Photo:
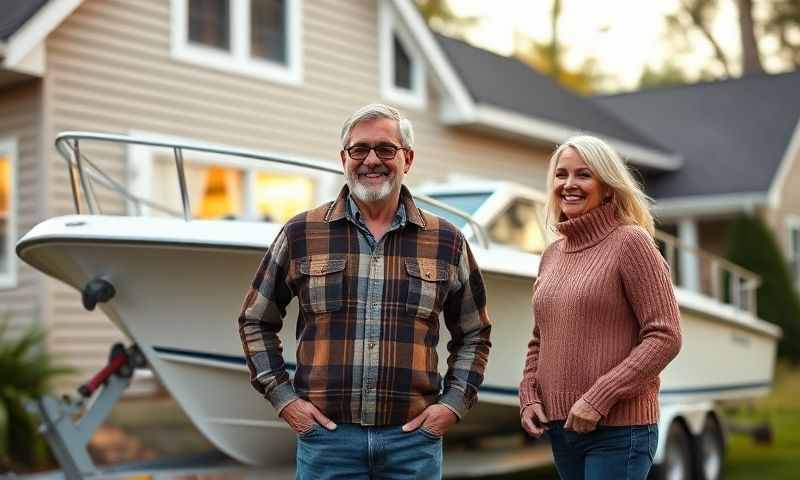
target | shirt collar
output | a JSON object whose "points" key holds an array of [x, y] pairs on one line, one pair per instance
{"points": [[339, 208]]}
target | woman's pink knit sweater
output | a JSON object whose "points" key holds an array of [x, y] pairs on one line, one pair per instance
{"points": [[606, 322]]}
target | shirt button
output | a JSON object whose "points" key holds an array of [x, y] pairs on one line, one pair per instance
{"points": [[371, 345]]}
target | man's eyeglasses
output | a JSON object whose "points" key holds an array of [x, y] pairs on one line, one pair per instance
{"points": [[383, 151]]}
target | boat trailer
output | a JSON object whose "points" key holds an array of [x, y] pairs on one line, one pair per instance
{"points": [[68, 425]]}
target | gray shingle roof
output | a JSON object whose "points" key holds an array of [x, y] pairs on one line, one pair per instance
{"points": [[15, 14], [510, 84], [732, 134]]}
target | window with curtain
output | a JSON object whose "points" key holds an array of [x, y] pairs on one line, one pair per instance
{"points": [[268, 30], [280, 197], [5, 214], [219, 191], [209, 23]]}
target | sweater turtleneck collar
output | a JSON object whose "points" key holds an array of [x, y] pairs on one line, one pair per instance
{"points": [[588, 229]]}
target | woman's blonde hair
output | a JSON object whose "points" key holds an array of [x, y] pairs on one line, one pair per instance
{"points": [[632, 205]]}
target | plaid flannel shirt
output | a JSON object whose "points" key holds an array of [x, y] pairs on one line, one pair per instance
{"points": [[368, 322]]}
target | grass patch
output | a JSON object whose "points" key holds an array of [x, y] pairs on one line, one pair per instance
{"points": [[745, 459], [781, 409]]}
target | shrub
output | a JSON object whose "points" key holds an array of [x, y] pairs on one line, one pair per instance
{"points": [[26, 370]]}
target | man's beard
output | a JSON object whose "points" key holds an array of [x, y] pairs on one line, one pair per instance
{"points": [[367, 195]]}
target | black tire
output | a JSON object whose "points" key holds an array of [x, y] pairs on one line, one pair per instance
{"points": [[710, 450], [677, 460]]}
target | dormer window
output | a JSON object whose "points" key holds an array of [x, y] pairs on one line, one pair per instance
{"points": [[251, 37], [402, 69], [402, 66]]}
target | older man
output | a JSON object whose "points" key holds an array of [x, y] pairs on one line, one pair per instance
{"points": [[372, 273]]}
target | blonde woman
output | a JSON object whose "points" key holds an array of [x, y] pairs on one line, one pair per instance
{"points": [[606, 320]]}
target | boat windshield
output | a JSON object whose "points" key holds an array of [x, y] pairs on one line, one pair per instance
{"points": [[466, 202]]}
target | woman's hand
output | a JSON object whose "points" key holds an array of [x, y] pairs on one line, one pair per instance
{"points": [[582, 417], [533, 419]]}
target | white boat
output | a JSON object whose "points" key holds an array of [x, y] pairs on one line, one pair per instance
{"points": [[179, 285]]}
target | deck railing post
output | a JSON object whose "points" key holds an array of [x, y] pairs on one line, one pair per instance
{"points": [[187, 209], [669, 249], [716, 280], [87, 191]]}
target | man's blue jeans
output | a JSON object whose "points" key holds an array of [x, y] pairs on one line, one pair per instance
{"points": [[356, 452], [608, 453]]}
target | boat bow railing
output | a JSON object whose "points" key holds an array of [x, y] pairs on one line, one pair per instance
{"points": [[83, 173], [716, 277]]}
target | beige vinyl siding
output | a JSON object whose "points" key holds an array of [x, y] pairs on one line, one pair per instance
{"points": [[20, 120], [110, 69], [788, 205]]}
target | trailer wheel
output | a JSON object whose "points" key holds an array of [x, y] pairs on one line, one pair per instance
{"points": [[710, 450], [677, 460]]}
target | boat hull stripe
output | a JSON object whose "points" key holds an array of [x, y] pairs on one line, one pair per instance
{"points": [[237, 360]]}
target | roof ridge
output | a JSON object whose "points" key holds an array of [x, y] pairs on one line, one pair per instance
{"points": [[704, 83]]}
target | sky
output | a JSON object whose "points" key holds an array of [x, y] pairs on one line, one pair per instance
{"points": [[624, 35]]}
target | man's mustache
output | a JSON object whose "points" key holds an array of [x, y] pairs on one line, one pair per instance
{"points": [[364, 171]]}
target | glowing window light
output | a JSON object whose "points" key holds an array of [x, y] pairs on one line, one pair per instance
{"points": [[280, 197]]}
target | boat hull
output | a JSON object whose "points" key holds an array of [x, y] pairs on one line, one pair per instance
{"points": [[184, 319]]}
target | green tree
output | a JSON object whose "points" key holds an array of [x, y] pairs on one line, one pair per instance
{"points": [[440, 16], [698, 16], [774, 22], [784, 25], [752, 245], [548, 57], [668, 74]]}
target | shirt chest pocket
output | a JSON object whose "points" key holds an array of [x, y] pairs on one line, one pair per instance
{"points": [[320, 283], [427, 286]]}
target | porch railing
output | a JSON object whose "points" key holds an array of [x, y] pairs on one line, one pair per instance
{"points": [[710, 274]]}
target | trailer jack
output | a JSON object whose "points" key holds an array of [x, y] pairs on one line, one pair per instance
{"points": [[69, 424]]}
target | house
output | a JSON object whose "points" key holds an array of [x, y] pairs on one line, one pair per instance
{"points": [[276, 76], [740, 140]]}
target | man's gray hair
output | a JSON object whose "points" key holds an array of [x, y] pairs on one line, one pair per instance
{"points": [[375, 111]]}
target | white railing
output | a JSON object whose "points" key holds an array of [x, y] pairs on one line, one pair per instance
{"points": [[83, 172], [718, 278]]}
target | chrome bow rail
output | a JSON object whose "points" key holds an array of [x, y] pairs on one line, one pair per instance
{"points": [[83, 172], [719, 279]]}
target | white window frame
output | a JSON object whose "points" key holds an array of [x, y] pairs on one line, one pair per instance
{"points": [[238, 59], [140, 160], [390, 25], [8, 146], [792, 223]]}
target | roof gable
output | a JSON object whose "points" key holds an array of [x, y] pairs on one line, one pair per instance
{"points": [[528, 92], [25, 29], [733, 134], [16, 13]]}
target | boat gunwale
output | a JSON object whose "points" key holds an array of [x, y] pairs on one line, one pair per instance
{"points": [[709, 308]]}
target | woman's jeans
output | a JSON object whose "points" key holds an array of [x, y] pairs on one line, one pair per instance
{"points": [[608, 453], [353, 452]]}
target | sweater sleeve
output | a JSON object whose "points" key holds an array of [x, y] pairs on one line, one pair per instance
{"points": [[648, 288], [528, 390]]}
